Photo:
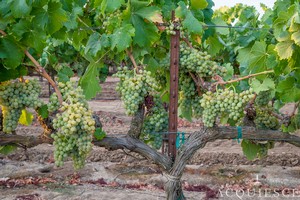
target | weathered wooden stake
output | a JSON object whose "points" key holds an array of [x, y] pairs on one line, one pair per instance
{"points": [[173, 107]]}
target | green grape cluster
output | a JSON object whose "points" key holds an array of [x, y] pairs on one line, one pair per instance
{"points": [[199, 62], [155, 123], [264, 119], [75, 126], [53, 104], [224, 102], [188, 97], [263, 98], [16, 96], [133, 87], [111, 20]]}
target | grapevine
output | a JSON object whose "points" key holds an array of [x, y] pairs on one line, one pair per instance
{"points": [[16, 96], [263, 98], [75, 126]]}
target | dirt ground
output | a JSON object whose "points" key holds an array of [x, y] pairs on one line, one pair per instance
{"points": [[218, 167]]}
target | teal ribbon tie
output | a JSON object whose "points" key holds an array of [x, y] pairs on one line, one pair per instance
{"points": [[240, 134], [180, 139]]}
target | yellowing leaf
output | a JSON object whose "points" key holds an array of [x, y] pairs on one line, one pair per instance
{"points": [[296, 37], [26, 118], [285, 49]]}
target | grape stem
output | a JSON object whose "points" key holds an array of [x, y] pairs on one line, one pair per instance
{"points": [[129, 53], [41, 71], [198, 83], [187, 42], [221, 82]]}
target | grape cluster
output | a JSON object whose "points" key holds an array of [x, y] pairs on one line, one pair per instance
{"points": [[263, 98], [111, 20], [224, 102], [53, 104], [133, 87], [264, 119], [155, 123], [199, 62], [75, 126], [16, 96], [188, 97]]}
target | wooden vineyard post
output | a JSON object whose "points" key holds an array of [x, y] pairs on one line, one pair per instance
{"points": [[173, 106]]}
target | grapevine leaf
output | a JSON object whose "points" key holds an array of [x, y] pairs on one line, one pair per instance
{"points": [[99, 134], [285, 49], [288, 90], [7, 149], [199, 4], [26, 118], [43, 111], [296, 37], [192, 24], [93, 45], [224, 119], [77, 38], [89, 81], [51, 17], [20, 8], [110, 6], [181, 11], [122, 37], [229, 71], [264, 86], [152, 14], [72, 23], [152, 65], [65, 74], [146, 33], [10, 53], [214, 45], [220, 21], [186, 112], [250, 149], [8, 74], [243, 56], [258, 55]]}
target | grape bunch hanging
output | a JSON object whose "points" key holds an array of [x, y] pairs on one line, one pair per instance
{"points": [[16, 96], [74, 124], [224, 102]]}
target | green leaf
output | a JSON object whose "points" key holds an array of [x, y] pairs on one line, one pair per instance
{"points": [[192, 24], [65, 74], [214, 45], [296, 37], [99, 134], [50, 17], [111, 6], [229, 73], [7, 149], [258, 55], [199, 4], [89, 81], [95, 43], [26, 118], [122, 37], [289, 92], [250, 149], [8, 74], [146, 33], [152, 13], [43, 111], [10, 53], [186, 112], [258, 87], [20, 8], [285, 49], [224, 119], [219, 21]]}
